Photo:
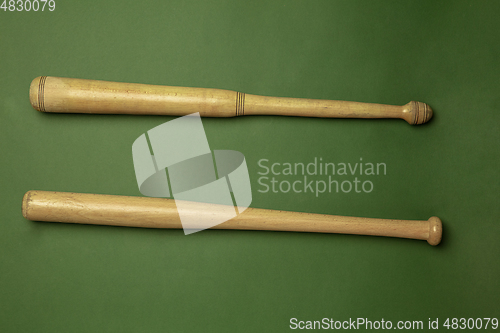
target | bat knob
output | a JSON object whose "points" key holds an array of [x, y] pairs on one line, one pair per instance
{"points": [[435, 230], [416, 113]]}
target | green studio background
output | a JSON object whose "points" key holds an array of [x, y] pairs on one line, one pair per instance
{"points": [[78, 278]]}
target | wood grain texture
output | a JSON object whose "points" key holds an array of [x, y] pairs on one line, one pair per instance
{"points": [[162, 213], [55, 94]]}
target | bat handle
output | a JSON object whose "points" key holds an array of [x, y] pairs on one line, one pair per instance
{"points": [[415, 113]]}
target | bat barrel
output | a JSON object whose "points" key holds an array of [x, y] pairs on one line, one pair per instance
{"points": [[65, 95], [162, 213]]}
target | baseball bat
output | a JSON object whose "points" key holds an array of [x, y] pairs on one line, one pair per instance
{"points": [[56, 94], [162, 213]]}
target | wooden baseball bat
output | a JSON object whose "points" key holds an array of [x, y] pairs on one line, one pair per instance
{"points": [[55, 94], [162, 213]]}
